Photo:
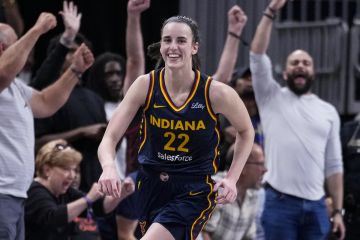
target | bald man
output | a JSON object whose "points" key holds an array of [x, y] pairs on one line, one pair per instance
{"points": [[238, 220], [19, 104], [302, 144]]}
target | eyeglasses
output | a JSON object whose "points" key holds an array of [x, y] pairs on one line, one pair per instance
{"points": [[59, 147]]}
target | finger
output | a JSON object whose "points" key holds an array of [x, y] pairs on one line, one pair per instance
{"points": [[75, 10], [106, 189], [71, 7], [100, 186], [65, 6], [79, 17], [216, 186], [115, 188]]}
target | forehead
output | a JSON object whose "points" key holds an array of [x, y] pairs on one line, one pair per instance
{"points": [[176, 29], [299, 55], [112, 66]]}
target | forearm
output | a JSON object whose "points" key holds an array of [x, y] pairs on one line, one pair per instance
{"points": [[262, 36], [135, 59], [335, 188], [228, 59], [14, 57], [75, 208], [243, 144], [106, 152], [54, 96], [110, 203]]}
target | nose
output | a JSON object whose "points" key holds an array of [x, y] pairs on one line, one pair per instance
{"points": [[173, 44]]}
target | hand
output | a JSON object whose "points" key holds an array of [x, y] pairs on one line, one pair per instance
{"points": [[127, 188], [45, 22], [82, 59], [71, 19], [94, 131], [138, 6], [236, 20], [277, 4], [227, 191], [109, 181], [94, 193], [338, 226]]}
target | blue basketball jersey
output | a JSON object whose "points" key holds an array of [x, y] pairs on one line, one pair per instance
{"points": [[183, 139]]}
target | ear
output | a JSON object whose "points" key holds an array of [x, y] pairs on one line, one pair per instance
{"points": [[195, 48], [47, 170]]}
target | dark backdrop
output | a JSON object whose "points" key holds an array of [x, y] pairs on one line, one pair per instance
{"points": [[103, 23]]}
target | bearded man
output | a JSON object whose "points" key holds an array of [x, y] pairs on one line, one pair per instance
{"points": [[302, 144]]}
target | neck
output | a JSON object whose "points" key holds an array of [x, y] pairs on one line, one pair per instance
{"points": [[179, 80]]}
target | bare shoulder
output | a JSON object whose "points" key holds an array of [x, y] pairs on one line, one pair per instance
{"points": [[220, 92], [138, 90]]}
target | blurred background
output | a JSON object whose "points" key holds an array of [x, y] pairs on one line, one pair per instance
{"points": [[328, 29]]}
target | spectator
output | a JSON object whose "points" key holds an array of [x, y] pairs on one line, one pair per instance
{"points": [[82, 120], [302, 146], [53, 204], [10, 14], [19, 104], [238, 219]]}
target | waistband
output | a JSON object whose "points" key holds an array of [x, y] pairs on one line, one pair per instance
{"points": [[165, 176], [281, 194]]}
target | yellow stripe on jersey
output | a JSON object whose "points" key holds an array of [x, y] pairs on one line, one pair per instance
{"points": [[214, 117], [144, 130], [207, 99], [150, 91], [203, 212], [216, 149], [167, 97]]}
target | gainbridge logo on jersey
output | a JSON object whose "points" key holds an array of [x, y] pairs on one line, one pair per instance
{"points": [[174, 158]]}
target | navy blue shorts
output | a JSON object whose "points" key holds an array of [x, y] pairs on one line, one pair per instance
{"points": [[128, 207], [181, 203]]}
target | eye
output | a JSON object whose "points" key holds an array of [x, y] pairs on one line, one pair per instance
{"points": [[307, 63], [166, 40]]}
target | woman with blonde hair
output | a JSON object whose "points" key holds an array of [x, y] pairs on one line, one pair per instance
{"points": [[52, 203]]}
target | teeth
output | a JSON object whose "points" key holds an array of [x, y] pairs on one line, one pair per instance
{"points": [[173, 55]]}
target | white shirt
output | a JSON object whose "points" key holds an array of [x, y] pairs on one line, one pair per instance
{"points": [[302, 142]]}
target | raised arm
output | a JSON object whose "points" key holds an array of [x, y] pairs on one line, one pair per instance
{"points": [[109, 180], [49, 100], [14, 57], [50, 69], [226, 101], [262, 36], [236, 22], [13, 16], [135, 59]]}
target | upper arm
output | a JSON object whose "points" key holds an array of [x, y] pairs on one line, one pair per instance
{"points": [[333, 160], [226, 101], [38, 105], [134, 68], [125, 112], [263, 80]]}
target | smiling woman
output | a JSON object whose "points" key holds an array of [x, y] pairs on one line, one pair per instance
{"points": [[179, 137]]}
